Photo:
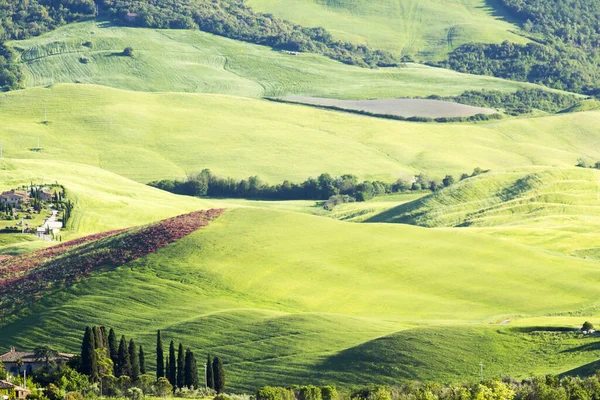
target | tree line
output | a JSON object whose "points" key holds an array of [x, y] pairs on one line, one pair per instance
{"points": [[536, 388], [523, 101], [324, 187]]}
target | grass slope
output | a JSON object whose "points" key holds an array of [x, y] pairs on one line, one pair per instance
{"points": [[280, 314], [193, 61], [426, 29], [104, 201], [553, 208], [148, 136]]}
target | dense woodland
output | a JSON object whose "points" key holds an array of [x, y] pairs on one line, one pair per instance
{"points": [[523, 101], [565, 56]]}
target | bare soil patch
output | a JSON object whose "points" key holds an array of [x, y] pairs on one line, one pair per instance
{"points": [[405, 108]]}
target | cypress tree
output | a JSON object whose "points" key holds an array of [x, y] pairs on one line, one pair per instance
{"points": [[89, 364], [167, 369], [180, 367], [160, 357], [135, 362], [172, 370], [142, 360], [103, 338], [113, 349], [97, 341], [219, 375], [188, 370], [210, 375], [124, 360], [194, 372]]}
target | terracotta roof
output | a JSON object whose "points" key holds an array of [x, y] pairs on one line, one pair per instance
{"points": [[8, 385], [29, 356]]}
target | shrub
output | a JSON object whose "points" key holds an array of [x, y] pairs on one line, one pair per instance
{"points": [[75, 396], [128, 52], [135, 393], [329, 393], [587, 326], [275, 393], [309, 393], [221, 396], [83, 60]]}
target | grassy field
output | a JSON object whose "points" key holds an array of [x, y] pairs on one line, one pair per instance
{"points": [[423, 29], [363, 313], [149, 136], [193, 61]]}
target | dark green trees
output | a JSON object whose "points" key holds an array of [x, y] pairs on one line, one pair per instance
{"points": [[172, 370], [113, 348], [160, 357], [190, 370], [135, 362], [210, 375], [89, 364], [124, 366], [142, 360], [219, 375], [180, 367]]}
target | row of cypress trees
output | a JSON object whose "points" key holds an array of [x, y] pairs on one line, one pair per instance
{"points": [[181, 370], [102, 356]]}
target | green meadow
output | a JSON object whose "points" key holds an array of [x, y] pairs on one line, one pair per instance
{"points": [[198, 62], [149, 136], [367, 303], [422, 29]]}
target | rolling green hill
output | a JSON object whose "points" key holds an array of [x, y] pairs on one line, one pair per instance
{"points": [[194, 61], [280, 314], [553, 208], [149, 136], [425, 29]]}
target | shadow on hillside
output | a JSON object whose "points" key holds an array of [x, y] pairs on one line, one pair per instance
{"points": [[402, 214], [499, 12], [380, 357], [583, 371], [586, 347]]}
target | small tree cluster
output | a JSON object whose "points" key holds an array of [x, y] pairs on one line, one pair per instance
{"points": [[180, 369], [102, 355], [215, 374]]}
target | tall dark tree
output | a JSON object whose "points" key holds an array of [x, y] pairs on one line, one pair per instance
{"points": [[104, 337], [113, 349], [194, 372], [180, 367], [89, 364], [142, 360], [160, 357], [135, 362], [188, 378], [219, 373], [124, 360], [172, 370], [97, 340], [210, 375]]}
